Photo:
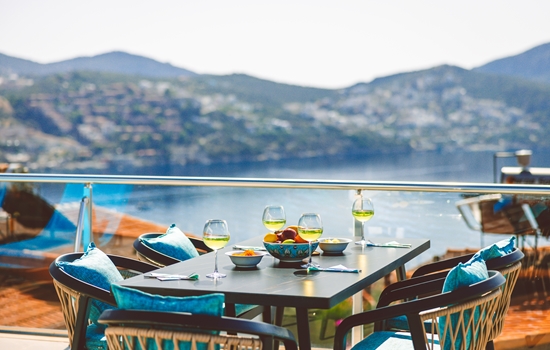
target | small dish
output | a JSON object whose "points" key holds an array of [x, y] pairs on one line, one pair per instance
{"points": [[334, 245], [245, 261]]}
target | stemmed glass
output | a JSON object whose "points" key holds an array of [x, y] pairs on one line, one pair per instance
{"points": [[310, 228], [274, 217], [215, 236], [362, 210]]}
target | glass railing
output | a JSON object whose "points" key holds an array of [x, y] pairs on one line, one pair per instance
{"points": [[45, 215]]}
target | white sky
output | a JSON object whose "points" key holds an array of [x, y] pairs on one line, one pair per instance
{"points": [[319, 43]]}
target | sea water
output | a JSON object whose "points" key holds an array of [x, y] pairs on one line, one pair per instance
{"points": [[398, 214]]}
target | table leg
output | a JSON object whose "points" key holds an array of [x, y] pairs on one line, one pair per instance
{"points": [[304, 340], [401, 273]]}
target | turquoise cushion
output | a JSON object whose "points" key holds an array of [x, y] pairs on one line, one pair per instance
{"points": [[94, 267], [209, 304], [391, 341], [173, 243], [95, 338], [130, 298], [498, 249], [462, 275]]}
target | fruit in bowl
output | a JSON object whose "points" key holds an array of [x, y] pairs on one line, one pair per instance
{"points": [[286, 235], [333, 245], [246, 259]]}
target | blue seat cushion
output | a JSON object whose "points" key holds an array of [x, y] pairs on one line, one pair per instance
{"points": [[391, 341], [462, 275], [173, 243], [498, 249], [130, 298], [209, 304], [93, 267], [95, 337]]}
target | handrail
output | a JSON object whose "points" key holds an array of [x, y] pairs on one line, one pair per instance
{"points": [[462, 187]]}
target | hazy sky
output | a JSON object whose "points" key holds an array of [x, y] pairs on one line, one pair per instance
{"points": [[318, 43]]}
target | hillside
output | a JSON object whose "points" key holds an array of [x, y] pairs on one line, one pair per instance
{"points": [[114, 119], [112, 62], [533, 64]]}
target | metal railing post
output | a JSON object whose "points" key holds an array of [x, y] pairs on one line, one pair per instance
{"points": [[87, 237], [80, 224]]}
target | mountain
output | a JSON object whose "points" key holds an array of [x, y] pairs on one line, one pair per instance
{"points": [[533, 64], [112, 62]]}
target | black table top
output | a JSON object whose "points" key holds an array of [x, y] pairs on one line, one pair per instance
{"points": [[284, 284]]}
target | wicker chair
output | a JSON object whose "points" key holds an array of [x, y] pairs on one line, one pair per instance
{"points": [[152, 256], [473, 332], [75, 295], [129, 327], [508, 265]]}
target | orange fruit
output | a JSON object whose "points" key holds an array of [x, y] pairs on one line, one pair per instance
{"points": [[299, 239], [270, 237]]}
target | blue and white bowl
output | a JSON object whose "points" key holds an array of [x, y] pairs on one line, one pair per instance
{"points": [[290, 252]]}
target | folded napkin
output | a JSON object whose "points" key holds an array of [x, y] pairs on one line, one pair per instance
{"points": [[244, 247], [337, 268], [171, 277], [392, 244]]}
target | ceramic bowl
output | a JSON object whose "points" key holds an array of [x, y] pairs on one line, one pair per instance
{"points": [[290, 252], [334, 245], [245, 261]]}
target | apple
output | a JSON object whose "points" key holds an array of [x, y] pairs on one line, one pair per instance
{"points": [[289, 233]]}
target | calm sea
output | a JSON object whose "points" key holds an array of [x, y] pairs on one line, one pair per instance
{"points": [[397, 214]]}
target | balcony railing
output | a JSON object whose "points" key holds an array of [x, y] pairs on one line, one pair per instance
{"points": [[112, 210]]}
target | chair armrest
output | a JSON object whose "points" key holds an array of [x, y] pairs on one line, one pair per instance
{"points": [[132, 264], [413, 289], [265, 331], [441, 265]]}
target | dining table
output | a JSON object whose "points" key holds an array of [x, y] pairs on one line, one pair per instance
{"points": [[273, 283]]}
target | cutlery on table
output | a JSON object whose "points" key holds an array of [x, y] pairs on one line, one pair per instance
{"points": [[244, 247], [338, 268], [392, 244], [171, 277]]}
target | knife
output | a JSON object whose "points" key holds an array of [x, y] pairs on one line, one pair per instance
{"points": [[243, 247], [171, 277], [389, 245]]}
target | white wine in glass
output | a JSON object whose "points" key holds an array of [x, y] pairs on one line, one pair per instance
{"points": [[310, 228], [274, 217], [362, 210], [215, 236]]}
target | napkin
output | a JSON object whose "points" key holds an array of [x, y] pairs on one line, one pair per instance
{"points": [[337, 268], [171, 277], [244, 247]]}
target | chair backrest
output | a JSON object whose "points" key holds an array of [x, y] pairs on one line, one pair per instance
{"points": [[129, 327], [76, 295], [466, 325], [453, 310], [508, 265], [152, 256]]}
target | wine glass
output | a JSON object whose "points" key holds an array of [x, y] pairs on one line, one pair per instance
{"points": [[310, 228], [274, 217], [362, 210], [215, 236]]}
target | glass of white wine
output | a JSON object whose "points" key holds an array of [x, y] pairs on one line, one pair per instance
{"points": [[215, 236], [362, 210], [310, 228], [274, 217]]}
